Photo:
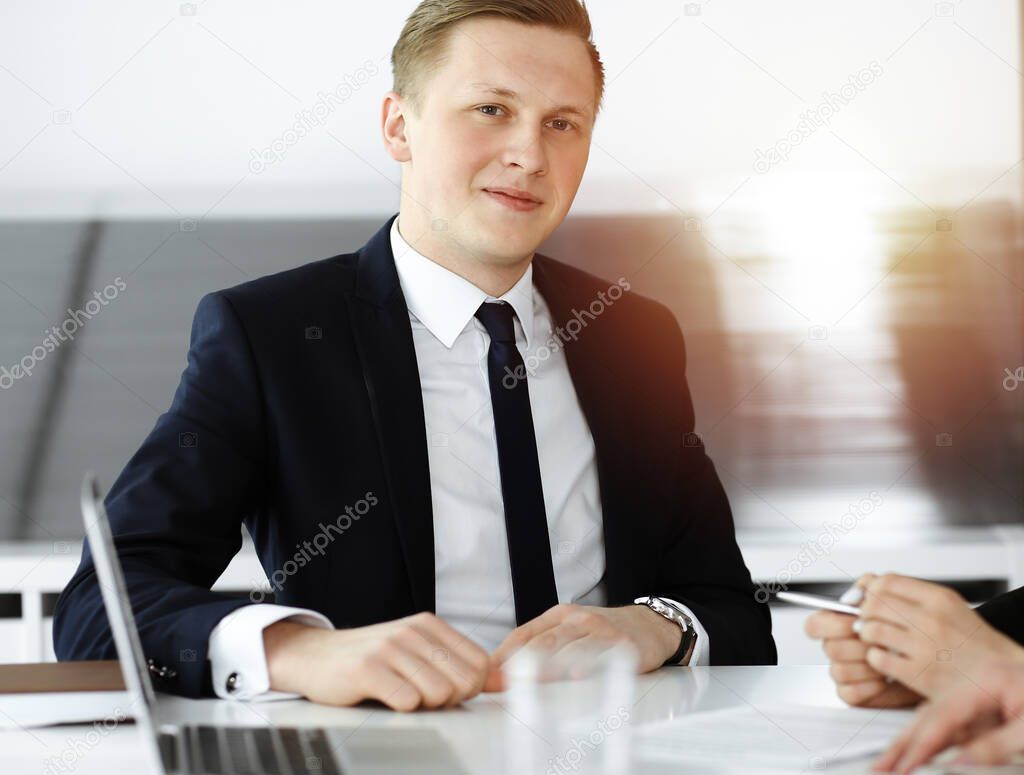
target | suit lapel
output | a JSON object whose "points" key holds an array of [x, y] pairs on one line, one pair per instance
{"points": [[383, 336], [591, 361]]}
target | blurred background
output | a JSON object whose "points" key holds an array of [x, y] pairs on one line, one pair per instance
{"points": [[827, 194]]}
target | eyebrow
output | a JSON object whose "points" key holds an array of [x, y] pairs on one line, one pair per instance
{"points": [[501, 91]]}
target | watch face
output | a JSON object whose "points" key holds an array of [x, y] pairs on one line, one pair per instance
{"points": [[659, 605], [664, 604], [668, 608]]}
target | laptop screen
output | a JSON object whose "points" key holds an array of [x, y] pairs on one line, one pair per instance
{"points": [[117, 603]]}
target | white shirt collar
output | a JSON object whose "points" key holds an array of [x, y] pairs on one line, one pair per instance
{"points": [[445, 302]]}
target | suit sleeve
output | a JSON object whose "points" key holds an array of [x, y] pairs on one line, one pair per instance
{"points": [[176, 511], [1005, 612], [701, 565]]}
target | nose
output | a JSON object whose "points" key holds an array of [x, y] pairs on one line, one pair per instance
{"points": [[525, 149]]}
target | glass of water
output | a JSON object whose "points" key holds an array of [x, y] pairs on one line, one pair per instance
{"points": [[568, 711]]}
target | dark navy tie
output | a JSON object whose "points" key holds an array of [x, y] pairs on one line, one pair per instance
{"points": [[529, 549]]}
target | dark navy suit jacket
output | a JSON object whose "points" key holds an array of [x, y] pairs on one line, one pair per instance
{"points": [[302, 395]]}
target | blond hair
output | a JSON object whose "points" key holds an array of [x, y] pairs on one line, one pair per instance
{"points": [[423, 43]]}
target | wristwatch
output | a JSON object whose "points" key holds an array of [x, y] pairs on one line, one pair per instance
{"points": [[673, 613]]}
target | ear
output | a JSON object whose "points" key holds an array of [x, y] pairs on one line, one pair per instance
{"points": [[394, 127]]}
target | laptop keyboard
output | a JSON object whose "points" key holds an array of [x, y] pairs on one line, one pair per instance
{"points": [[210, 750]]}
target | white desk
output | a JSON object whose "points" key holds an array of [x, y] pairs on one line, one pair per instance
{"points": [[473, 730], [960, 554]]}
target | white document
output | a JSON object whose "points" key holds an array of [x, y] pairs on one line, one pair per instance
{"points": [[39, 709], [797, 737]]}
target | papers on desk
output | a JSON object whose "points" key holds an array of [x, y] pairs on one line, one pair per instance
{"points": [[43, 709], [35, 695], [771, 737]]}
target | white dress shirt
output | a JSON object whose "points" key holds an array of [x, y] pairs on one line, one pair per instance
{"points": [[471, 564]]}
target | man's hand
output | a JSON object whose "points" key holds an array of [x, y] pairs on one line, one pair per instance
{"points": [[926, 636], [417, 661], [985, 718], [857, 682], [915, 639], [568, 628]]}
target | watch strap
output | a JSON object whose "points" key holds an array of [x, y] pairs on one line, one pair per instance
{"points": [[686, 639]]}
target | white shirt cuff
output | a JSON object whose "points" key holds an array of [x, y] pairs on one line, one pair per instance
{"points": [[701, 650], [236, 647]]}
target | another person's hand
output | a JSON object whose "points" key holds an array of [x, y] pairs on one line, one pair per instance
{"points": [[569, 628], [857, 682], [926, 636], [418, 661], [984, 718]]}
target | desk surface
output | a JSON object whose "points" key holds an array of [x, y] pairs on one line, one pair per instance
{"points": [[474, 730]]}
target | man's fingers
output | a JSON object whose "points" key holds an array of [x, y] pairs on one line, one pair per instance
{"points": [[865, 580], [455, 652], [829, 624], [434, 688], [468, 679], [526, 632], [923, 593], [449, 637], [861, 692], [852, 672], [932, 733], [855, 593], [893, 665], [891, 756], [895, 610], [576, 653], [495, 679], [550, 641], [888, 635], [938, 724], [505, 648], [554, 632], [894, 752], [384, 684], [875, 693], [997, 746], [555, 638], [572, 652], [845, 649], [555, 642], [515, 641]]}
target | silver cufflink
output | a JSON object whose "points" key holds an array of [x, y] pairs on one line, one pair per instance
{"points": [[160, 671]]}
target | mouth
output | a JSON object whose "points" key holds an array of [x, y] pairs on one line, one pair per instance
{"points": [[513, 198]]}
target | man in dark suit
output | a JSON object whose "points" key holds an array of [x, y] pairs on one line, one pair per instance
{"points": [[445, 445]]}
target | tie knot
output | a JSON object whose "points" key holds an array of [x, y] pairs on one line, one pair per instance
{"points": [[497, 319]]}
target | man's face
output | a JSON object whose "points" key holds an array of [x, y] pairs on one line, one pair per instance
{"points": [[469, 139]]}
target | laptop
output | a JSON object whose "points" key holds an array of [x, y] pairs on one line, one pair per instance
{"points": [[234, 750]]}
